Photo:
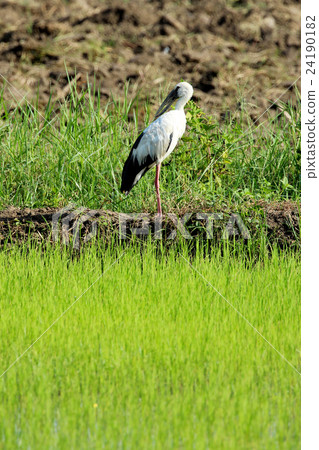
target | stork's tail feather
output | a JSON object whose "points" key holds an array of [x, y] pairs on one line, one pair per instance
{"points": [[128, 175], [133, 171]]}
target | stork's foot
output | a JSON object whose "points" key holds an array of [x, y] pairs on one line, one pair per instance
{"points": [[159, 208]]}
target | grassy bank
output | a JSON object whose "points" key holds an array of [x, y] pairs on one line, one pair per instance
{"points": [[75, 153], [151, 356]]}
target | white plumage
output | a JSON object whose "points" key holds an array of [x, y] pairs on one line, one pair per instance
{"points": [[158, 140]]}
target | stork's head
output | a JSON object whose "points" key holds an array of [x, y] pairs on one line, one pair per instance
{"points": [[183, 91]]}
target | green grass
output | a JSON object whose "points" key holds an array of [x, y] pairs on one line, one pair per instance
{"points": [[151, 356], [76, 154]]}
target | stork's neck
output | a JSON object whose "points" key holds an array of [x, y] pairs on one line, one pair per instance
{"points": [[181, 102]]}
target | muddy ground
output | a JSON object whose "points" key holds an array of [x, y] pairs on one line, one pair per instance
{"points": [[232, 51], [279, 221]]}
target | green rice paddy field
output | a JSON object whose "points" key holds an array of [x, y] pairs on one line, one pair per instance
{"points": [[144, 345], [151, 356]]}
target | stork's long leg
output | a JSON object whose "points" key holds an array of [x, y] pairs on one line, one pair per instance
{"points": [[158, 197]]}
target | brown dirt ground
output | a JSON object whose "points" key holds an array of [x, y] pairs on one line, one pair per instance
{"points": [[280, 220], [230, 50]]}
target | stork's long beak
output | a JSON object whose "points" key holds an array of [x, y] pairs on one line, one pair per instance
{"points": [[170, 99]]}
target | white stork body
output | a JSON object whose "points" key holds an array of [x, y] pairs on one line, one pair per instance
{"points": [[158, 140]]}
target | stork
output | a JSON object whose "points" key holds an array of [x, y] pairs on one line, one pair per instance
{"points": [[157, 141]]}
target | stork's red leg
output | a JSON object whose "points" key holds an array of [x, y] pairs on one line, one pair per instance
{"points": [[158, 197]]}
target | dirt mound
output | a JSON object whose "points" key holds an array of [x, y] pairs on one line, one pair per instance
{"points": [[79, 225], [232, 51]]}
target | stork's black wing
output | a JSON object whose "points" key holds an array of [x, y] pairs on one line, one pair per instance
{"points": [[133, 170]]}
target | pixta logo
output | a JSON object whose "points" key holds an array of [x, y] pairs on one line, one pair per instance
{"points": [[67, 223], [234, 226], [71, 221]]}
